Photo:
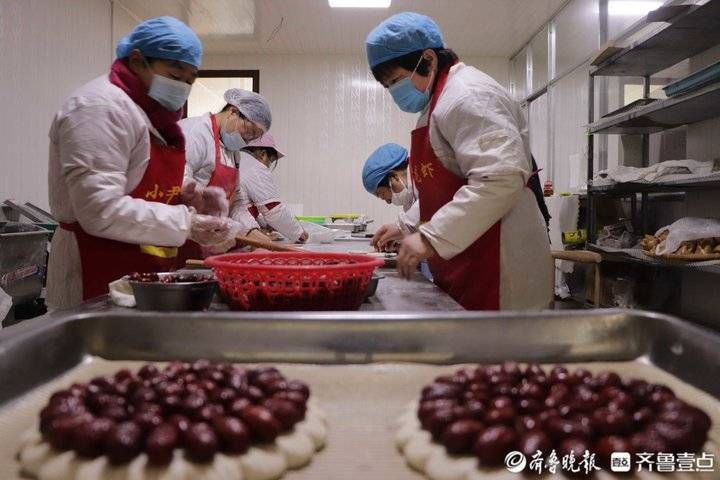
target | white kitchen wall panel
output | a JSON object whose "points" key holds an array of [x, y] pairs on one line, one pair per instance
{"points": [[47, 50], [568, 110], [577, 30], [538, 125], [329, 114], [539, 56]]}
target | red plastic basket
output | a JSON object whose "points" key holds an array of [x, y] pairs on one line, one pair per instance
{"points": [[293, 281]]}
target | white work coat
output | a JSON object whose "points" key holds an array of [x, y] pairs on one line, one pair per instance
{"points": [[200, 162], [257, 189], [478, 132], [99, 151], [200, 150]]}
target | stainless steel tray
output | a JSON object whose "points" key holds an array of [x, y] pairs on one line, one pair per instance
{"points": [[36, 351]]}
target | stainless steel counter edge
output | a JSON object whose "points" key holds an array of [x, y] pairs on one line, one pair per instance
{"points": [[35, 351]]}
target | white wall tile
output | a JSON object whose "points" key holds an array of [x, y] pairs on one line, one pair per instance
{"points": [[47, 49]]}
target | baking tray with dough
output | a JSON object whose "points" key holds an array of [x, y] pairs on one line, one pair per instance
{"points": [[364, 370]]}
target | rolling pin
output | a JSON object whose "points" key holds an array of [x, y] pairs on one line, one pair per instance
{"points": [[274, 247], [243, 240]]}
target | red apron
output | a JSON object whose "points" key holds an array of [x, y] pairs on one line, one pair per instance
{"points": [[472, 278], [104, 260], [225, 177]]}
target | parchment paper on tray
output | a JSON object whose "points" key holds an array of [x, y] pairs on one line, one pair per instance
{"points": [[363, 403]]}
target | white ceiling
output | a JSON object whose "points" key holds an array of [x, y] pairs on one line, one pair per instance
{"points": [[471, 27]]}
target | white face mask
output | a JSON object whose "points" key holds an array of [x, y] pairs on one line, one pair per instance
{"points": [[171, 94], [404, 198]]}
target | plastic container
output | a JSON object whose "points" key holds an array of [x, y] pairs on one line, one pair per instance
{"points": [[694, 81], [293, 280], [312, 219]]}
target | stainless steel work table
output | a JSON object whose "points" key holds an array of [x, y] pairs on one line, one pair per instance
{"points": [[395, 294]]}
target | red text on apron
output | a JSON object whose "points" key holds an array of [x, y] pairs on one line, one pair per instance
{"points": [[223, 176], [105, 260], [472, 277]]}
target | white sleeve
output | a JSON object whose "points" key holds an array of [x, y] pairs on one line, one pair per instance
{"points": [[260, 185], [282, 220], [408, 221], [95, 145], [245, 218], [199, 158], [239, 209], [489, 151]]}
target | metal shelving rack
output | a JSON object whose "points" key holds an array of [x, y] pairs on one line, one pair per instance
{"points": [[688, 30]]}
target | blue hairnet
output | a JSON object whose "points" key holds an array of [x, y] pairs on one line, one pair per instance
{"points": [[401, 34], [380, 163], [163, 37]]}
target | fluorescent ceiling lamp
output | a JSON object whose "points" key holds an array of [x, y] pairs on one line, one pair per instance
{"points": [[632, 7], [359, 3]]}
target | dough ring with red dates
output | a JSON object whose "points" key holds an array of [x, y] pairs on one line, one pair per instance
{"points": [[467, 422], [184, 422]]}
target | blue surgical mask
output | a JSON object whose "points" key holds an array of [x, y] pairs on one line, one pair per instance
{"points": [[233, 141], [407, 97], [171, 94]]}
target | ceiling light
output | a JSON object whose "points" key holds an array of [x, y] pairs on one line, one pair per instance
{"points": [[359, 3], [632, 7]]}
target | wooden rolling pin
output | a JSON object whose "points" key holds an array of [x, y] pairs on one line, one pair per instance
{"points": [[272, 246], [243, 240]]}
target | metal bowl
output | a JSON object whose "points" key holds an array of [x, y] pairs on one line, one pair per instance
{"points": [[179, 296], [372, 286]]}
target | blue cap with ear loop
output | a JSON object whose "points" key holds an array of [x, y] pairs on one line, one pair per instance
{"points": [[380, 163], [401, 34], [163, 37]]}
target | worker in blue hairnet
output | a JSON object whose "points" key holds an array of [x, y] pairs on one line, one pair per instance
{"points": [[479, 226], [387, 176], [116, 164]]}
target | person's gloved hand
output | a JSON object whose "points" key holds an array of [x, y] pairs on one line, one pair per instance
{"points": [[208, 230], [218, 248], [384, 235], [191, 195], [215, 202], [236, 228], [206, 201]]}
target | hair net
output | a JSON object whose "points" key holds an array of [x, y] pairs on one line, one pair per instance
{"points": [[266, 141], [380, 163], [163, 37], [252, 105], [401, 34]]}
